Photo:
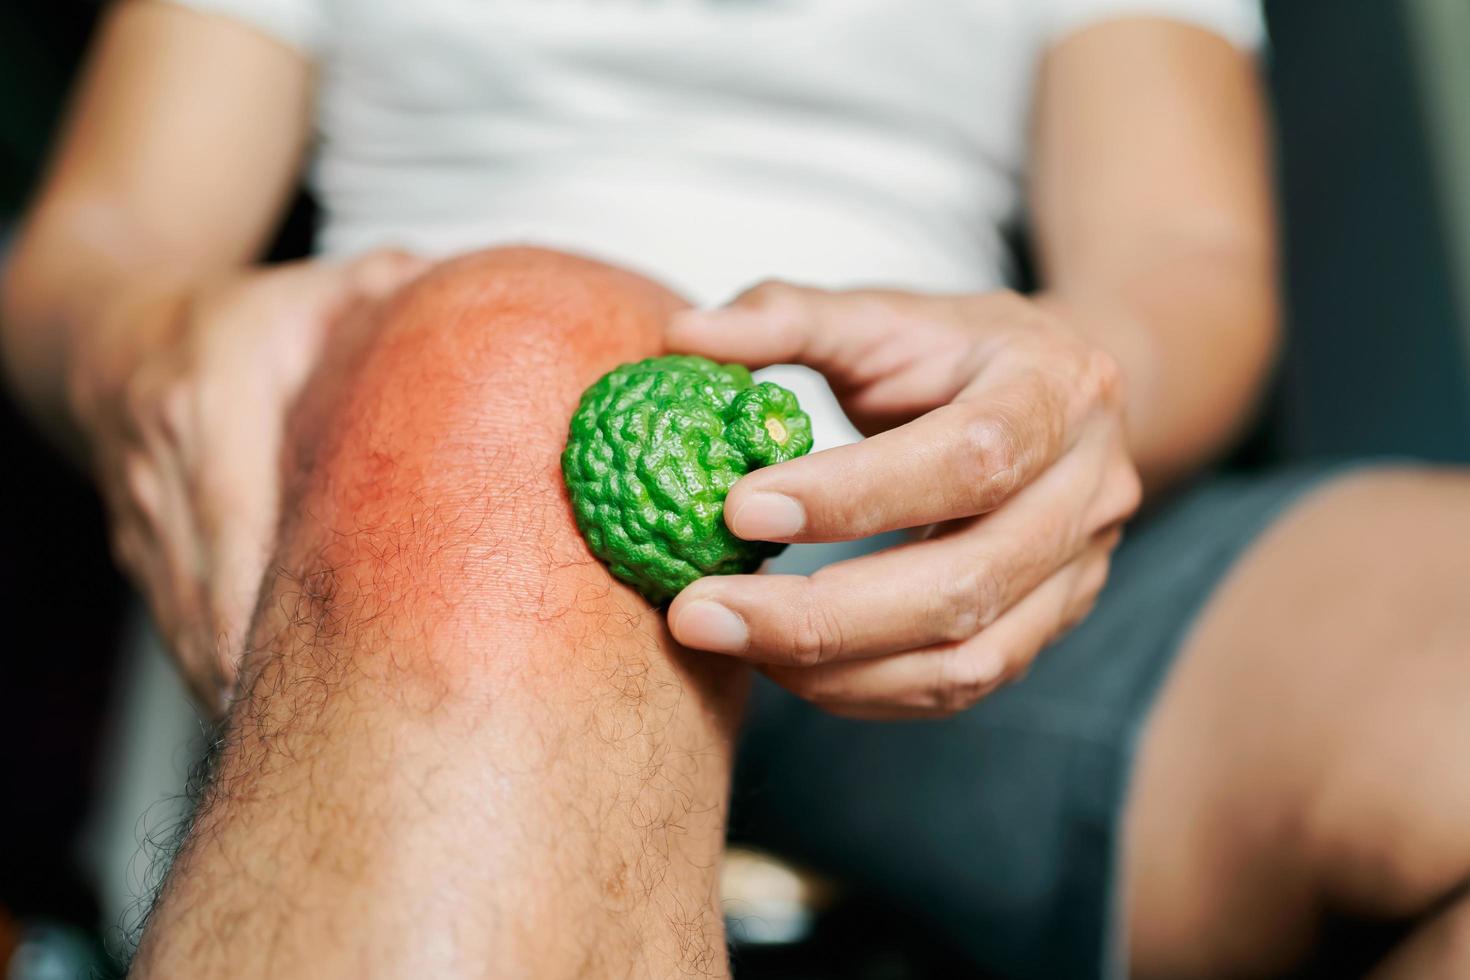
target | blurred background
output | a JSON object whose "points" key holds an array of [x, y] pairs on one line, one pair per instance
{"points": [[1374, 175]]}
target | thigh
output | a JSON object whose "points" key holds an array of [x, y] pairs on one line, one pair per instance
{"points": [[998, 827], [1307, 753]]}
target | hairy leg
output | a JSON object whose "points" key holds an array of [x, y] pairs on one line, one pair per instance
{"points": [[1309, 756], [463, 750]]}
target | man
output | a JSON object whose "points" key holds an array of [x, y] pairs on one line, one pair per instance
{"points": [[1212, 760]]}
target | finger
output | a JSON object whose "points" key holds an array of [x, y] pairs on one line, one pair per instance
{"points": [[153, 558], [236, 500], [954, 462], [889, 356], [305, 297], [957, 461], [941, 680], [236, 525], [943, 589], [778, 323], [178, 593], [378, 273], [155, 512], [308, 299], [238, 554], [152, 502]]}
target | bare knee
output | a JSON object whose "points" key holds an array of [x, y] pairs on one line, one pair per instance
{"points": [[470, 374], [1384, 822], [1308, 751], [1386, 502], [428, 496]]}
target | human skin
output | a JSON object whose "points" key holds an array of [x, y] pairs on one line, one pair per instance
{"points": [[1306, 760], [1157, 253], [1153, 232], [134, 328], [1157, 265], [462, 748]]}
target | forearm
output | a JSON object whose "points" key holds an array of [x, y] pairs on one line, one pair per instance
{"points": [[169, 170], [1152, 206], [70, 280], [1195, 332]]}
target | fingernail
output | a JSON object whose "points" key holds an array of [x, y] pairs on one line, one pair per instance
{"points": [[707, 625], [768, 517]]}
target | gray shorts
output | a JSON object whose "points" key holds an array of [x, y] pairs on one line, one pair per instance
{"points": [[999, 827]]}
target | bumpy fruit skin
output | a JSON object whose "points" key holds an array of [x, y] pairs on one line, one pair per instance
{"points": [[654, 448]]}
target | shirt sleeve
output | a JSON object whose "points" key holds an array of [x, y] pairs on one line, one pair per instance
{"points": [[298, 23], [1238, 21]]}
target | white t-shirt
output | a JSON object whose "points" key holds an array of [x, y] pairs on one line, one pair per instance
{"points": [[711, 143], [708, 143]]}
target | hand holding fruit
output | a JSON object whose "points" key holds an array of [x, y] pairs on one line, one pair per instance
{"points": [[992, 425], [653, 450]]}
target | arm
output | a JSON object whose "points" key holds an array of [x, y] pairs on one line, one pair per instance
{"points": [[138, 337], [997, 422], [134, 330], [1152, 212], [169, 172]]}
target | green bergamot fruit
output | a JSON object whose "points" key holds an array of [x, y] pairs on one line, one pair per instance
{"points": [[654, 448]]}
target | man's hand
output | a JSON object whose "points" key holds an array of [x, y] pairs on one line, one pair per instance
{"points": [[992, 426], [183, 398]]}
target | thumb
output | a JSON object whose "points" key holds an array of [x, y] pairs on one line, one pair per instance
{"points": [[302, 302], [380, 272], [779, 323], [322, 289]]}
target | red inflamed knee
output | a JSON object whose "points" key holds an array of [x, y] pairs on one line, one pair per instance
{"points": [[427, 456]]}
